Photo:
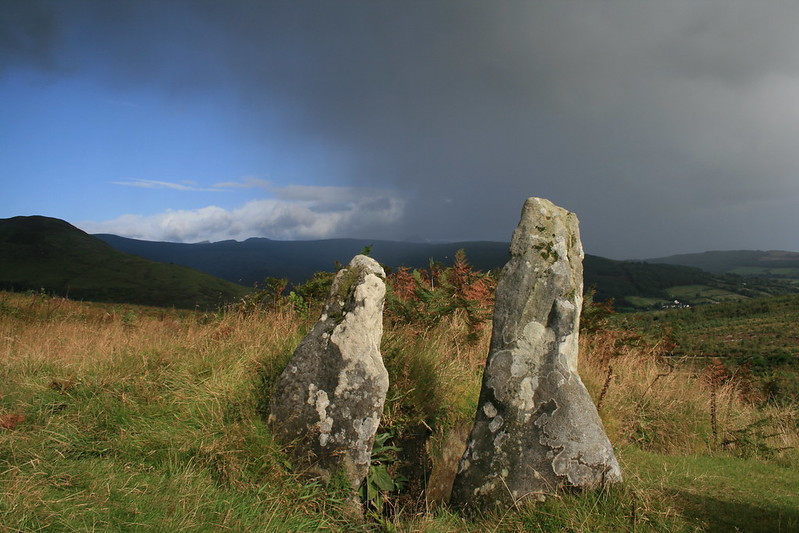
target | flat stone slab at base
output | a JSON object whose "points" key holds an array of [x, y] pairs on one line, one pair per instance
{"points": [[328, 401], [536, 429]]}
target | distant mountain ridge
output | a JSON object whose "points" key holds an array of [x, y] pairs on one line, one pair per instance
{"points": [[47, 253], [40, 252], [772, 263], [632, 284], [248, 262]]}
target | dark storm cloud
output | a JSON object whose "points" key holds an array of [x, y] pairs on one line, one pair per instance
{"points": [[28, 34], [667, 126]]}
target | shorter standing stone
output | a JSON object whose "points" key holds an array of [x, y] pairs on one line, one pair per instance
{"points": [[328, 401], [536, 428], [445, 466]]}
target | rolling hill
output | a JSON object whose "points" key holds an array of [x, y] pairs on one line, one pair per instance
{"points": [[46, 253], [632, 284], [773, 263], [249, 262], [40, 252]]}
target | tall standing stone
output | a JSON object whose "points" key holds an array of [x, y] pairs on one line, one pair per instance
{"points": [[536, 428], [328, 401]]}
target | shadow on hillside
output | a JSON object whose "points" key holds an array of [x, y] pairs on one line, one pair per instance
{"points": [[721, 515]]}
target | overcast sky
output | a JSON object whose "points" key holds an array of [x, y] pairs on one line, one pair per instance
{"points": [[667, 126]]}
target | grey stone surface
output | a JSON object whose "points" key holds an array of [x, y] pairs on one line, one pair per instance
{"points": [[536, 428], [445, 466], [328, 401]]}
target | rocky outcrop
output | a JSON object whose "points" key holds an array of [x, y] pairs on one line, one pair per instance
{"points": [[536, 428], [328, 401]]}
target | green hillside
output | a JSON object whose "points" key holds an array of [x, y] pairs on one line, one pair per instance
{"points": [[758, 335], [751, 330], [46, 253], [641, 285], [772, 264]]}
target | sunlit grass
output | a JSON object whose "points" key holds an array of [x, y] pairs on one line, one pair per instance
{"points": [[135, 418]]}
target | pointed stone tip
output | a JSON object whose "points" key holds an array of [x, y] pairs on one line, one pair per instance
{"points": [[549, 208], [537, 199], [540, 221], [364, 262]]}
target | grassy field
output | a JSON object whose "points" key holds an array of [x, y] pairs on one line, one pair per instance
{"points": [[758, 336], [703, 294], [125, 418], [685, 294], [775, 272]]}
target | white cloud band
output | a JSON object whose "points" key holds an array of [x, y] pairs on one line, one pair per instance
{"points": [[311, 213]]}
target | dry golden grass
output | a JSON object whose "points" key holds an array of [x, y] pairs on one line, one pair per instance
{"points": [[435, 371], [73, 338], [665, 405]]}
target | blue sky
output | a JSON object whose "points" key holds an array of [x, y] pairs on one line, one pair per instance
{"points": [[76, 149], [667, 127], [148, 164]]}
